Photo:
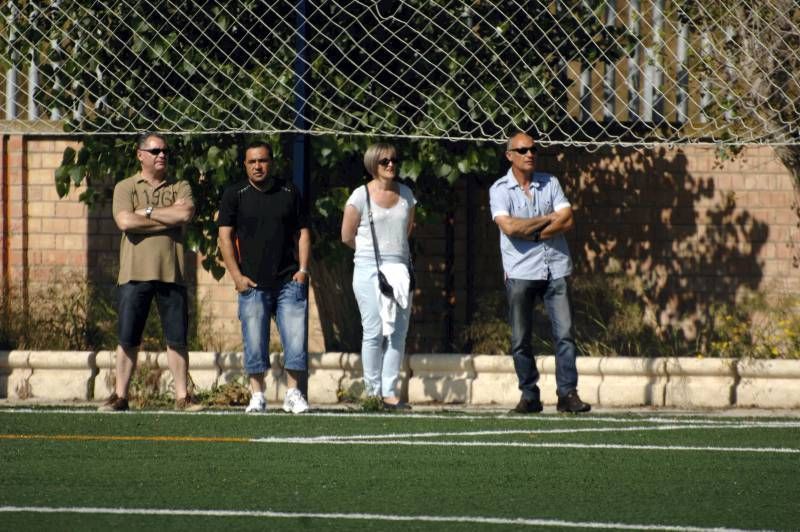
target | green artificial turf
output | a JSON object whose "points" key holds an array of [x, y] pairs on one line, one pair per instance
{"points": [[700, 488]]}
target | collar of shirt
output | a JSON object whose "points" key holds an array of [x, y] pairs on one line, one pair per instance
{"points": [[140, 179], [538, 180], [272, 184]]}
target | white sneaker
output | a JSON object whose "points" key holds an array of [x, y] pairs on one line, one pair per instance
{"points": [[295, 402], [257, 406]]}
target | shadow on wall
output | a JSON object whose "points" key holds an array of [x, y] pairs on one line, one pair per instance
{"points": [[685, 240]]}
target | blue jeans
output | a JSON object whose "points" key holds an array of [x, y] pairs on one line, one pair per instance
{"points": [[289, 305], [381, 356], [522, 296]]}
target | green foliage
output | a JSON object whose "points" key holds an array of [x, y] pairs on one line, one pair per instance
{"points": [[759, 326], [145, 387], [206, 162], [351, 394], [372, 403], [489, 333], [610, 319], [209, 162], [440, 70], [71, 313], [65, 314], [233, 393], [182, 69], [192, 72], [355, 394]]}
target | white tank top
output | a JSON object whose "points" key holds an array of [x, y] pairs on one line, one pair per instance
{"points": [[391, 227]]}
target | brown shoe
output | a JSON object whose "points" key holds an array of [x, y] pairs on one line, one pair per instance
{"points": [[189, 404], [114, 403], [527, 406], [572, 404]]}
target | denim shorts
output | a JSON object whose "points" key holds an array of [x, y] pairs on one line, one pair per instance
{"points": [[133, 306], [289, 305]]}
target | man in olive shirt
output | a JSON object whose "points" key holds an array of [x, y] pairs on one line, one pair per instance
{"points": [[151, 211]]}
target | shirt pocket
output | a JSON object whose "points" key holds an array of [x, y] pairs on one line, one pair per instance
{"points": [[519, 208], [545, 204]]}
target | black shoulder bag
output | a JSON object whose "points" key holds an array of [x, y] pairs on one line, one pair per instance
{"points": [[383, 284]]}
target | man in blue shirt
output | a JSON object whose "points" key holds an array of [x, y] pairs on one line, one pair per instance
{"points": [[533, 214]]}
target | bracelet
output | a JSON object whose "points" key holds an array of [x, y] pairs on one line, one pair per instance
{"points": [[537, 235], [303, 270]]}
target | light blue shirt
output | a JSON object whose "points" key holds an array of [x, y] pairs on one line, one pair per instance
{"points": [[526, 259]]}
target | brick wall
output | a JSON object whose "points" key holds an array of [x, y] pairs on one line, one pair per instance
{"points": [[693, 229], [43, 236]]}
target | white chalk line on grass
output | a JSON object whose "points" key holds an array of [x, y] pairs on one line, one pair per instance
{"points": [[585, 418], [359, 517], [508, 432], [554, 445]]}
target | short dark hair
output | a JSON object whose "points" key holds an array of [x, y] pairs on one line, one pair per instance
{"points": [[259, 144], [143, 136]]}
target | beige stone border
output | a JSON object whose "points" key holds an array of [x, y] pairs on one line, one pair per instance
{"points": [[435, 378]]}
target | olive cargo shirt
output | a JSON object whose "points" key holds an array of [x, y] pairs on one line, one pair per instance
{"points": [[150, 256]]}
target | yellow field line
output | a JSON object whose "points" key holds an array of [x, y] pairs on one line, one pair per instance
{"points": [[90, 437]]}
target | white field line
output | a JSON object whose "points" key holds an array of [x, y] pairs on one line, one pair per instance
{"points": [[521, 521], [555, 445], [507, 432], [591, 418]]}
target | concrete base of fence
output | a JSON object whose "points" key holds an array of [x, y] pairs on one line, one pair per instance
{"points": [[768, 383], [709, 382], [479, 380]]}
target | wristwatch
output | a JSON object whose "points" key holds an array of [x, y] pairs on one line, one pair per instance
{"points": [[148, 211]]}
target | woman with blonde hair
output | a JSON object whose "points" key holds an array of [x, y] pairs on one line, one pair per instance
{"points": [[378, 219]]}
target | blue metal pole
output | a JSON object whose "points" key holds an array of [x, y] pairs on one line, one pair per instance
{"points": [[300, 157]]}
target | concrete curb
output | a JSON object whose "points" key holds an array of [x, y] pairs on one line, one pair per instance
{"points": [[470, 380]]}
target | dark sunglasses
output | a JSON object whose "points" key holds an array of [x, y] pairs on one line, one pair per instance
{"points": [[386, 160], [156, 151], [524, 151]]}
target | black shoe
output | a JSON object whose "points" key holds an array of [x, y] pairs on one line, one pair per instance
{"points": [[401, 406], [572, 403], [114, 404], [525, 406]]}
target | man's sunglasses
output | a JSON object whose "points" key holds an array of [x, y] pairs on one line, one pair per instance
{"points": [[156, 151], [386, 160], [524, 151]]}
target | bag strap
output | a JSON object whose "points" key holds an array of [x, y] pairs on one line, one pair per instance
{"points": [[372, 228]]}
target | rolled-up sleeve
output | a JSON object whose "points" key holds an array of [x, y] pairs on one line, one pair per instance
{"points": [[499, 201], [560, 200]]}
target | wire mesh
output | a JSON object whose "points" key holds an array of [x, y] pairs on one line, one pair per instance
{"points": [[622, 72]]}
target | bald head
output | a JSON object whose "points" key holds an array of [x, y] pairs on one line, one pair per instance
{"points": [[521, 153], [526, 139]]}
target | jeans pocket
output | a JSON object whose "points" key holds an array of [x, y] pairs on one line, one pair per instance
{"points": [[247, 293], [300, 291]]}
